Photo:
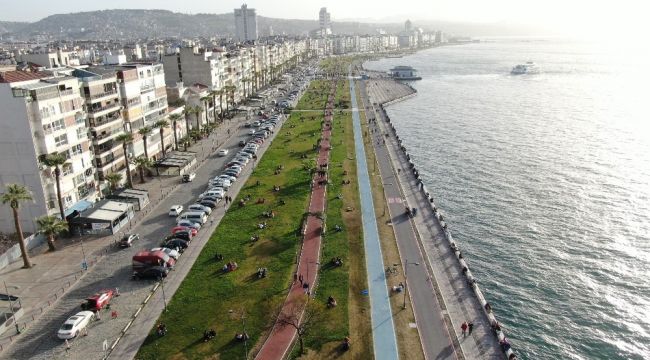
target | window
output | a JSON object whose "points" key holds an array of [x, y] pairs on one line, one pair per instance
{"points": [[79, 179], [54, 126], [68, 200], [67, 169], [81, 133], [61, 140], [76, 150]]}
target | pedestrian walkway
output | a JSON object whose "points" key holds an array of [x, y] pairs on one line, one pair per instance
{"points": [[282, 336], [383, 331], [456, 297]]}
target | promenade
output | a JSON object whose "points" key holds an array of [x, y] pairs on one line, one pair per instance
{"points": [[282, 335], [442, 298], [383, 330]]}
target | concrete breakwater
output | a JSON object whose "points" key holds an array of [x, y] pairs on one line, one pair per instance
{"points": [[492, 338]]}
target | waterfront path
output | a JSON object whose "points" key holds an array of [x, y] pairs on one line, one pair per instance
{"points": [[383, 331], [113, 269], [282, 336], [434, 336], [456, 300]]}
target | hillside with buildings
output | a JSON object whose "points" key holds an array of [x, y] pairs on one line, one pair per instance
{"points": [[138, 24]]}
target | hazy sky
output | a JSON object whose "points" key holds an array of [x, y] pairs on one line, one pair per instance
{"points": [[581, 16]]}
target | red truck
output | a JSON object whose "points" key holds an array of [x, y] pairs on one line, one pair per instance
{"points": [[99, 300], [145, 259]]}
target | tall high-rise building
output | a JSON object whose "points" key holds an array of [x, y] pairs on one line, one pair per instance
{"points": [[324, 21], [245, 24]]}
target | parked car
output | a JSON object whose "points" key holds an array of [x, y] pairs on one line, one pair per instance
{"points": [[194, 216], [189, 177], [144, 259], [128, 239], [209, 203], [222, 152], [184, 235], [172, 253], [175, 210], [227, 177], [211, 198], [73, 326], [176, 243], [98, 301], [199, 207], [177, 229], [242, 143], [154, 272], [188, 223]]}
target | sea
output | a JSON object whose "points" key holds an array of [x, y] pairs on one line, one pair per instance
{"points": [[545, 182]]}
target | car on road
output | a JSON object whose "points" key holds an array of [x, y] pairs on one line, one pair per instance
{"points": [[244, 154], [72, 327], [211, 198], [177, 229], [172, 253], [184, 235], [256, 124], [153, 272], [98, 301], [188, 223], [232, 179], [175, 243], [209, 203], [189, 177], [199, 207], [128, 239], [222, 152], [175, 210], [251, 132], [242, 143]]}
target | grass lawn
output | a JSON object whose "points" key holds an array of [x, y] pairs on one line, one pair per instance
{"points": [[209, 298], [316, 97], [352, 316]]}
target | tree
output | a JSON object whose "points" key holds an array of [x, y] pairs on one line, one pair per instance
{"points": [[197, 111], [230, 95], [213, 94], [142, 163], [113, 180], [51, 226], [221, 93], [15, 194], [206, 101], [302, 316], [145, 131], [126, 139], [57, 161], [174, 119], [187, 112], [184, 140], [161, 125]]}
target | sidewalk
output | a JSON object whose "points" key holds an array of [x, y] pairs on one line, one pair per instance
{"points": [[42, 287], [282, 336], [457, 299]]}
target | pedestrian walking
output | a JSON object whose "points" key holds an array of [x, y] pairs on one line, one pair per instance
{"points": [[470, 327], [463, 328], [114, 314], [97, 316], [295, 277], [67, 345], [301, 279]]}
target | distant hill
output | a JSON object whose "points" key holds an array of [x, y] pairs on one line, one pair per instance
{"points": [[134, 24]]}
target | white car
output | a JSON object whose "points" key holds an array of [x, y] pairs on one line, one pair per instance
{"points": [[199, 207], [187, 223], [232, 179], [175, 210], [174, 254], [251, 132], [222, 152], [75, 324]]}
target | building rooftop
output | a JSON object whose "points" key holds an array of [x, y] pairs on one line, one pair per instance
{"points": [[18, 76]]}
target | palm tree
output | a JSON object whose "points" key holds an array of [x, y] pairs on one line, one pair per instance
{"points": [[185, 139], [57, 161], [197, 111], [113, 180], [221, 93], [206, 100], [161, 125], [51, 226], [230, 94], [15, 194], [142, 163], [174, 119], [244, 82], [126, 139], [145, 131]]}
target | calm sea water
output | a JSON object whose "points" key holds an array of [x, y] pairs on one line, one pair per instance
{"points": [[545, 180]]}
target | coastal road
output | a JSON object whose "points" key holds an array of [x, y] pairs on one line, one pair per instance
{"points": [[434, 336]]}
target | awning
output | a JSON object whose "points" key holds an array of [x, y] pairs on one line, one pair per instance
{"points": [[80, 206]]}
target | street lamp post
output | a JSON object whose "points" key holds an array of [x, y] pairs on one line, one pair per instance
{"points": [[162, 285], [406, 267], [11, 305]]}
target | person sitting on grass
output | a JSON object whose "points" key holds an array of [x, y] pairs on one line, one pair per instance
{"points": [[242, 202], [261, 200], [331, 302], [255, 237], [276, 188]]}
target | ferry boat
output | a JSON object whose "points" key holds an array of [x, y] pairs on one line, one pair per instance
{"points": [[404, 73], [527, 68]]}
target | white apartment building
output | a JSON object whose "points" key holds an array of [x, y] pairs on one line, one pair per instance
{"points": [[325, 22], [192, 65], [245, 24], [43, 115]]}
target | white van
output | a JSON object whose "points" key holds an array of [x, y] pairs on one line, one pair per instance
{"points": [[194, 216]]}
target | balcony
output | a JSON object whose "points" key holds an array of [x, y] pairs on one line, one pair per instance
{"points": [[101, 137], [98, 111], [100, 121], [95, 97]]}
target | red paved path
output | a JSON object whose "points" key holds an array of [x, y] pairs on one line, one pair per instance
{"points": [[281, 337]]}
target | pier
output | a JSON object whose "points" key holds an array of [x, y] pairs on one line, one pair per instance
{"points": [[443, 290]]}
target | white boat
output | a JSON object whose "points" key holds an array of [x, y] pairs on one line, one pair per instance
{"points": [[527, 68]]}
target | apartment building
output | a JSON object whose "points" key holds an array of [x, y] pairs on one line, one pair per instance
{"points": [[245, 24], [42, 115]]}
